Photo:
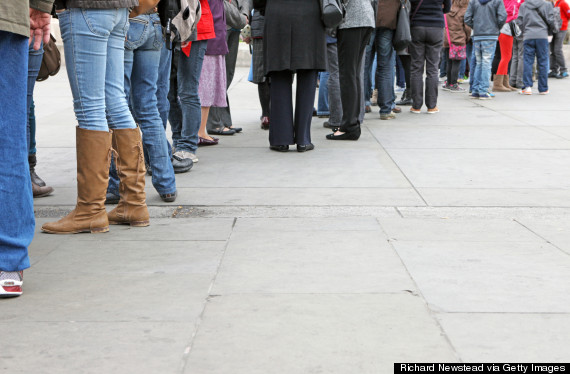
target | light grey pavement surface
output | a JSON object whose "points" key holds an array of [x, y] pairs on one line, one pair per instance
{"points": [[433, 238]]}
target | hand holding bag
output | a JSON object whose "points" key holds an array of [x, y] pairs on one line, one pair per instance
{"points": [[402, 36], [51, 61]]}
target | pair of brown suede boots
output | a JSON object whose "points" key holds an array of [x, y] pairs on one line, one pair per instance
{"points": [[94, 149], [501, 84]]}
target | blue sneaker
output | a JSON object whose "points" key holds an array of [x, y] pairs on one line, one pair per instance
{"points": [[474, 95], [486, 96], [562, 75]]}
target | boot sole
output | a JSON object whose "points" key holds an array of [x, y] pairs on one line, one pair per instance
{"points": [[99, 230], [132, 223]]}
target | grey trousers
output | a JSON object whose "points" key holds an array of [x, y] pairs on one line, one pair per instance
{"points": [[425, 51], [220, 117], [333, 84], [517, 63], [557, 63]]}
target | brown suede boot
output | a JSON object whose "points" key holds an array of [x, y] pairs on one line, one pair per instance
{"points": [[498, 84], [132, 208], [93, 150], [507, 84]]}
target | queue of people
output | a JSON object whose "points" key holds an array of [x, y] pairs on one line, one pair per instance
{"points": [[133, 71]]}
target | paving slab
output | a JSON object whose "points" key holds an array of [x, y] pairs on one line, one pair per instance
{"points": [[310, 262], [555, 231], [482, 168], [457, 230], [294, 334], [94, 347], [492, 277], [509, 337], [255, 225], [495, 197], [425, 136]]}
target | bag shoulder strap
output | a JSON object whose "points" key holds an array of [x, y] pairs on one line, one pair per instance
{"points": [[417, 8], [447, 29]]}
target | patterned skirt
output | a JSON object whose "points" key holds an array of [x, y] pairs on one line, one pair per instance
{"points": [[212, 87]]}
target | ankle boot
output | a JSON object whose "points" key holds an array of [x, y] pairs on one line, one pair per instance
{"points": [[132, 209], [39, 191], [506, 83], [93, 150], [32, 160], [498, 84]]}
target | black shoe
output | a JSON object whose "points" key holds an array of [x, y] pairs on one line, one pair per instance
{"points": [[327, 125], [349, 135], [305, 147], [35, 178], [406, 99], [224, 130], [236, 129], [552, 74], [112, 198], [181, 162], [279, 148], [169, 197]]}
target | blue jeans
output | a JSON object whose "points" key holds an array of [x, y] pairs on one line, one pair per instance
{"points": [[369, 68], [400, 74], [34, 64], [185, 110], [94, 41], [142, 60], [472, 65], [538, 48], [385, 70], [17, 220], [462, 68], [484, 52], [323, 103]]}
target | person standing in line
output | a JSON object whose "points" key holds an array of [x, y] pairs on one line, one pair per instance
{"points": [[536, 18], [20, 18], [237, 16], [427, 27], [501, 80], [458, 36], [517, 64], [486, 18], [93, 36], [352, 37], [557, 63], [294, 43], [333, 83]]}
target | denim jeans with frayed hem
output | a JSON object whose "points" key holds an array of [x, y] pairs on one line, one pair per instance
{"points": [[94, 45], [17, 222], [484, 51], [185, 109], [142, 59], [538, 48]]}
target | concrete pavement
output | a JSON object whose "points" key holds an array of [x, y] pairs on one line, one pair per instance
{"points": [[433, 238]]}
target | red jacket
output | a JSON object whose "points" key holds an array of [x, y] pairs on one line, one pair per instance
{"points": [[564, 13], [205, 26]]}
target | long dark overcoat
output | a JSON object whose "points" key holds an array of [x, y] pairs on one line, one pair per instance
{"points": [[294, 37]]}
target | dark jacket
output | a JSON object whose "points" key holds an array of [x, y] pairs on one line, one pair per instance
{"points": [[15, 14], [237, 11], [387, 14], [101, 4], [486, 17], [218, 45], [257, 25], [429, 13], [294, 37], [459, 33], [535, 18]]}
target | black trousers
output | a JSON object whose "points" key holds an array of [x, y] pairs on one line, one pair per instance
{"points": [[351, 46], [407, 65], [452, 68], [425, 51], [288, 127]]}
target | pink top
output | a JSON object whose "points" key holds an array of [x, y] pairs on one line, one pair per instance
{"points": [[512, 8]]}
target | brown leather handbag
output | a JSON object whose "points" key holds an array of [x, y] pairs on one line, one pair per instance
{"points": [[51, 61]]}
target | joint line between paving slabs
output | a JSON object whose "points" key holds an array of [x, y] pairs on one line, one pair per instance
{"points": [[190, 345], [419, 293], [542, 237], [398, 167]]}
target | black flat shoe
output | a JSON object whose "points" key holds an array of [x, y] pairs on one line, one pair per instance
{"points": [[236, 129], [224, 130], [352, 135], [279, 148], [305, 147]]}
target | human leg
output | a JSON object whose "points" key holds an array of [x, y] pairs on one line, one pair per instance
{"points": [[281, 91], [529, 53], [323, 100], [487, 53], [333, 86], [542, 64], [305, 97], [385, 70], [434, 44]]}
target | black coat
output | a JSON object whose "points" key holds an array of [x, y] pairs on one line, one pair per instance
{"points": [[294, 37]]}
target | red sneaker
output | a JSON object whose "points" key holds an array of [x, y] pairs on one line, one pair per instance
{"points": [[11, 283]]}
